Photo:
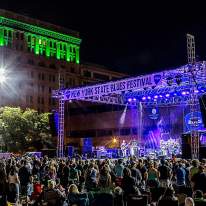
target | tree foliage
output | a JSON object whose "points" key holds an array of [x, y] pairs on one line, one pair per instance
{"points": [[23, 129]]}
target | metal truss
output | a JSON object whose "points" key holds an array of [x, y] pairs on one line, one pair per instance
{"points": [[117, 92], [117, 99], [60, 143], [193, 95]]}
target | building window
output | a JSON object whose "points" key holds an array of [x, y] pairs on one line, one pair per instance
{"points": [[41, 64], [22, 36], [31, 99], [9, 34], [87, 73], [72, 69], [17, 35], [31, 61], [100, 76], [42, 88], [39, 100], [52, 66], [31, 84]]}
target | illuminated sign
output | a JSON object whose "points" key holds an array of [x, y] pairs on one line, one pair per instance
{"points": [[114, 87], [193, 121]]}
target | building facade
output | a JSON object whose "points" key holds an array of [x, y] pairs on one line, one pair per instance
{"points": [[35, 53]]}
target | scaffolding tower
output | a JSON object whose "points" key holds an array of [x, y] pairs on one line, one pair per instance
{"points": [[194, 106], [60, 144]]}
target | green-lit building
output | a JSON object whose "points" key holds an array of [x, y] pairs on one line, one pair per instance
{"points": [[34, 53]]}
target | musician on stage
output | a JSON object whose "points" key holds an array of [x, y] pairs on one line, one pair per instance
{"points": [[124, 148]]}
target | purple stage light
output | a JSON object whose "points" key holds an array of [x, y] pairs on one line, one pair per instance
{"points": [[183, 93], [149, 97], [187, 93], [161, 96], [196, 91], [175, 94], [134, 99], [143, 98], [130, 99], [167, 95], [155, 96]]}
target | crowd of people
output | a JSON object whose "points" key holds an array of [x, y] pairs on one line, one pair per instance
{"points": [[119, 182]]}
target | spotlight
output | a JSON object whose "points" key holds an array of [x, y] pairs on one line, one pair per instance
{"points": [[183, 93], [155, 96], [114, 140], [160, 96], [149, 97], [196, 91], [130, 99], [134, 99], [143, 98], [167, 95], [175, 94]]}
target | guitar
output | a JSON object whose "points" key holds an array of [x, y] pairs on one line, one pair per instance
{"points": [[124, 147]]}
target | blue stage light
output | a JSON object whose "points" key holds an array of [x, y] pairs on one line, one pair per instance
{"points": [[160, 96], [130, 99], [134, 99], [143, 98], [149, 97], [167, 95], [184, 93], [155, 96]]}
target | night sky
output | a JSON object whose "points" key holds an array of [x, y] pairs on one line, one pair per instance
{"points": [[132, 38]]}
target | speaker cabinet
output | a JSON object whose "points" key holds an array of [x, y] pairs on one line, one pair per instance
{"points": [[186, 146]]}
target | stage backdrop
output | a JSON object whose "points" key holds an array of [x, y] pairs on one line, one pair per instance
{"points": [[162, 123]]}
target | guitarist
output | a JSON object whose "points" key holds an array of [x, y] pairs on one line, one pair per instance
{"points": [[124, 148]]}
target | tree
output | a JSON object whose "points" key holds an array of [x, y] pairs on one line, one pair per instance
{"points": [[21, 129]]}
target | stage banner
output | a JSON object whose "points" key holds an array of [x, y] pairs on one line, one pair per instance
{"points": [[116, 87], [193, 120]]}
